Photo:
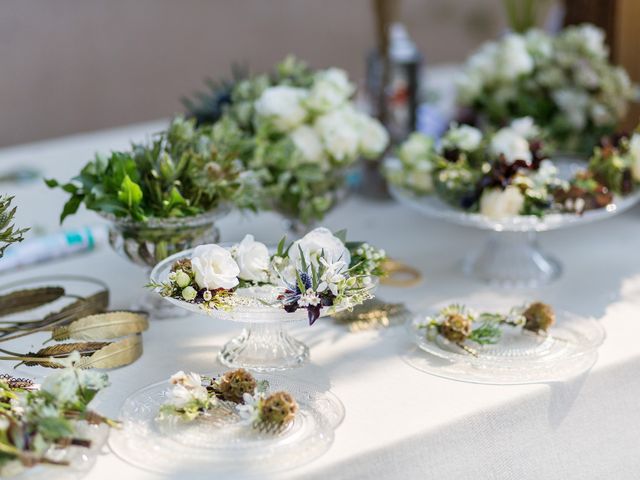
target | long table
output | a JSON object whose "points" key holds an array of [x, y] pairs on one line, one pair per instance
{"points": [[400, 422]]}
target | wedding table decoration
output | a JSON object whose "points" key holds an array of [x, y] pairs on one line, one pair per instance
{"points": [[218, 422], [505, 181], [504, 344], [163, 196], [301, 131], [314, 276], [565, 82], [49, 431]]}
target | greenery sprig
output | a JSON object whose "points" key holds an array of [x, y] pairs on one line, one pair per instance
{"points": [[8, 232], [183, 171], [459, 324]]}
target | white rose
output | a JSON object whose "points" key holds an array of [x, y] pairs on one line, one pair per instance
{"points": [[539, 43], [468, 86], [573, 104], [308, 143], [462, 137], [331, 88], [498, 204], [314, 244], [634, 152], [513, 58], [510, 144], [373, 136], [214, 267], [283, 105], [253, 259], [417, 146], [525, 127], [483, 62], [593, 40], [339, 134], [421, 178]]}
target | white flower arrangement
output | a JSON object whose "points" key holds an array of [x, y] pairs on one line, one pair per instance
{"points": [[506, 173], [319, 270], [301, 130], [565, 83], [192, 396]]}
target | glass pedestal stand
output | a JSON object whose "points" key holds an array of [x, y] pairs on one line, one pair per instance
{"points": [[264, 347], [512, 259]]}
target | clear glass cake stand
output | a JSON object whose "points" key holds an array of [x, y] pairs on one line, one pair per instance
{"points": [[512, 256], [264, 344]]}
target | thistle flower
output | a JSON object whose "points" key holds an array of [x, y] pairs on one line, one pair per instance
{"points": [[233, 385], [278, 408], [456, 327], [539, 317]]}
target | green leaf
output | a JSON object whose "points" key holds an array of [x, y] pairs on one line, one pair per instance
{"points": [[303, 261], [71, 206], [301, 285], [130, 192], [281, 243]]}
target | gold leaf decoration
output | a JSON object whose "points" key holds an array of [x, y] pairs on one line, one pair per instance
{"points": [[115, 354], [45, 357], [27, 299], [102, 326], [96, 303]]}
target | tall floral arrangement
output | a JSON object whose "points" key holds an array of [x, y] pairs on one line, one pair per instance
{"points": [[566, 83], [302, 131]]}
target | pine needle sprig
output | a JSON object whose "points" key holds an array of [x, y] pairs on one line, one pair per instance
{"points": [[9, 233]]}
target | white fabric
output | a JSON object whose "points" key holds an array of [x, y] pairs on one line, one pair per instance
{"points": [[400, 423]]}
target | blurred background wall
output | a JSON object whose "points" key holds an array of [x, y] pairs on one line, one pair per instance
{"points": [[76, 65]]}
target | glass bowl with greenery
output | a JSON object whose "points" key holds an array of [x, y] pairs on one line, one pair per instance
{"points": [[165, 195]]}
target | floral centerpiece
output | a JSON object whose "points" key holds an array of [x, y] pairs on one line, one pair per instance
{"points": [[38, 423], [506, 173], [236, 393], [566, 83], [320, 274], [302, 131], [319, 270], [459, 324]]}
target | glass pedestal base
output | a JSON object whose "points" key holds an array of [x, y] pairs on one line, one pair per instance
{"points": [[512, 259], [264, 347]]}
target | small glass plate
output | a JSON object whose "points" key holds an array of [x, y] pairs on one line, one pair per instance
{"points": [[220, 442], [519, 357]]}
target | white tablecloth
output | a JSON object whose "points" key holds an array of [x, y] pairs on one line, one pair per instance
{"points": [[400, 423]]}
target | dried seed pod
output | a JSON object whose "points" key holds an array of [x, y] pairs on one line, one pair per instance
{"points": [[456, 327], [233, 385], [539, 317], [278, 408]]}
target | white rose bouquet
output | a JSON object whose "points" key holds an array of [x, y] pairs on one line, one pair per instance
{"points": [[565, 83], [301, 132], [506, 173], [319, 270]]}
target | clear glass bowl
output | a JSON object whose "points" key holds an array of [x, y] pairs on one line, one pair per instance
{"points": [[264, 344], [80, 459], [147, 243], [519, 357], [226, 447], [512, 256]]}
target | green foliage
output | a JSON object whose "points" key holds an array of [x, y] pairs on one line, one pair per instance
{"points": [[8, 232], [184, 171]]}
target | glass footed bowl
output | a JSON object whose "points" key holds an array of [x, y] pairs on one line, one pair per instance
{"points": [[264, 344], [80, 459], [569, 348], [512, 256], [147, 243], [225, 446]]}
